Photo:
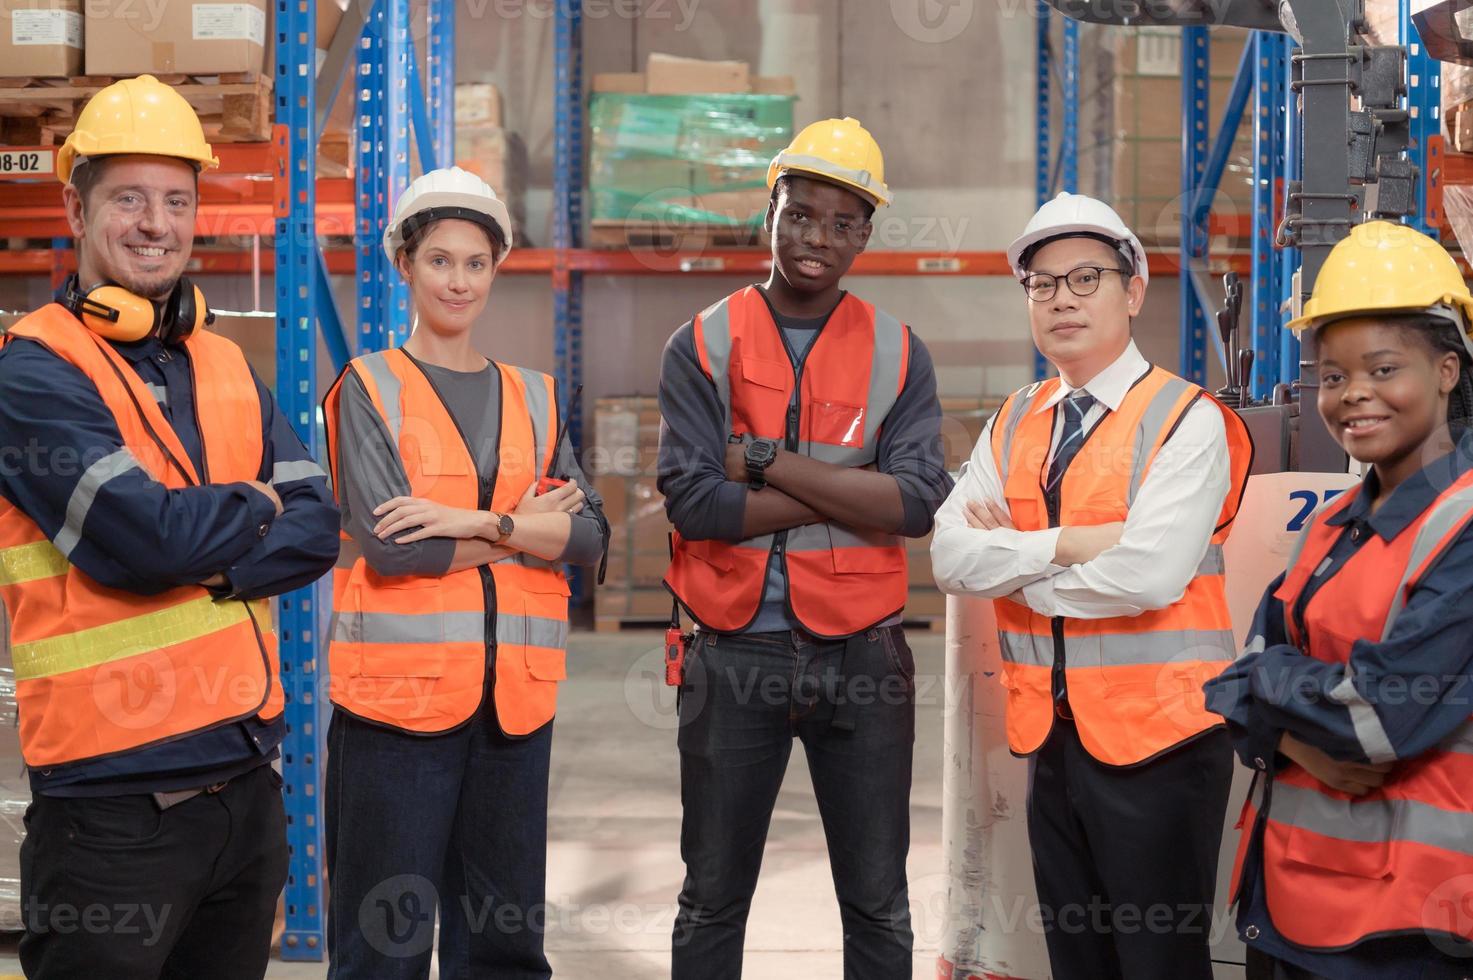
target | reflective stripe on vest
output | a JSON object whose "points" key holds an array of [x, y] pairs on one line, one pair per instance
{"points": [[1114, 667], [1339, 869], [101, 672], [410, 651], [852, 375]]}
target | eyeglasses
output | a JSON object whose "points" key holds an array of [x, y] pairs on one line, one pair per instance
{"points": [[1083, 281]]}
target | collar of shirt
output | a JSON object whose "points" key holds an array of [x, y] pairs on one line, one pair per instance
{"points": [[1408, 501], [1111, 385]]}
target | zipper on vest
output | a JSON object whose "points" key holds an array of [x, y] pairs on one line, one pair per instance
{"points": [[484, 489], [1057, 684], [791, 443], [204, 451]]}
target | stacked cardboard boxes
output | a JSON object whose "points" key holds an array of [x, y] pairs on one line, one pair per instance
{"points": [[685, 142], [1132, 100], [40, 38], [485, 147]]}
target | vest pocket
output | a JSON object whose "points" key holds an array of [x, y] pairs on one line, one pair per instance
{"points": [[547, 665], [835, 423], [1357, 858], [403, 643]]}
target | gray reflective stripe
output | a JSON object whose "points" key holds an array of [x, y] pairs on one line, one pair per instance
{"points": [[428, 628], [1018, 408], [1152, 425], [538, 398], [84, 495], [159, 392], [803, 161], [843, 536], [1460, 741], [851, 456], [716, 329], [293, 470], [1368, 729], [1213, 563], [348, 553], [1444, 517], [884, 373], [809, 537], [532, 631], [1027, 649], [377, 366], [763, 542], [1372, 821], [1126, 649]]}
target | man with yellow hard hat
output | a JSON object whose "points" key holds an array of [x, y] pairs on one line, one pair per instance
{"points": [[152, 497], [800, 446]]}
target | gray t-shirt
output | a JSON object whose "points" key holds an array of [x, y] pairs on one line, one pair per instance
{"points": [[371, 472]]}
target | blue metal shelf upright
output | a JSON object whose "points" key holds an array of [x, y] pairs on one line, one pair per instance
{"points": [[1262, 77], [385, 89], [1051, 174]]}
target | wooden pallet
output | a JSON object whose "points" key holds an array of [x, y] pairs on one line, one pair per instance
{"points": [[666, 236], [235, 107]]}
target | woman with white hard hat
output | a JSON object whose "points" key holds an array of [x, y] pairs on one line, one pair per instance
{"points": [[460, 505]]}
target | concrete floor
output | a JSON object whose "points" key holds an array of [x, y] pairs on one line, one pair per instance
{"points": [[614, 866]]}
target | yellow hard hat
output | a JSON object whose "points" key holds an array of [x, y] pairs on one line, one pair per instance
{"points": [[136, 115], [1384, 267], [839, 150]]}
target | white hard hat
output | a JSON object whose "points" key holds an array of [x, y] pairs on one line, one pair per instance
{"points": [[1077, 215], [449, 192]]}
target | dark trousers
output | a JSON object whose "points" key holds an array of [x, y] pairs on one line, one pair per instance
{"points": [[455, 821], [115, 887], [1125, 859], [852, 704]]}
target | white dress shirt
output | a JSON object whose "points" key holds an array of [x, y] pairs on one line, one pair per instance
{"points": [[1167, 530]]}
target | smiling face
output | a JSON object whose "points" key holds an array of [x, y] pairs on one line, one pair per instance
{"points": [[1384, 393], [1083, 335], [136, 224], [449, 274], [818, 229]]}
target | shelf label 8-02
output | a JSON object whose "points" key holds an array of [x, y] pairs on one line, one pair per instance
{"points": [[27, 163]]}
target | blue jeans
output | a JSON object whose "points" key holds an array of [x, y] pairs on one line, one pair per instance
{"points": [[852, 704], [457, 821]]}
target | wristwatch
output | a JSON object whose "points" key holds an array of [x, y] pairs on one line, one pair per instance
{"points": [[504, 528], [760, 455]]}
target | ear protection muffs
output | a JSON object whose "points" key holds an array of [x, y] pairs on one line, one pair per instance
{"points": [[114, 313]]}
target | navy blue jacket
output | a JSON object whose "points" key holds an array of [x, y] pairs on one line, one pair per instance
{"points": [[142, 537], [1280, 689]]}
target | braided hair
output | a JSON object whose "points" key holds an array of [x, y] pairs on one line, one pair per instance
{"points": [[1441, 336]]}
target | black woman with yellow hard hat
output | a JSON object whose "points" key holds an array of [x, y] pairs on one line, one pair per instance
{"points": [[1352, 701]]}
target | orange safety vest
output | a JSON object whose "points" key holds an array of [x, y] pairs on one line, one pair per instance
{"points": [[841, 581], [1337, 868], [409, 651], [1134, 682], [99, 671]]}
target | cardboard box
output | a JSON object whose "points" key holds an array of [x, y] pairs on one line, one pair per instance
{"points": [[500, 159], [329, 16], [668, 75], [125, 37], [478, 104], [40, 38], [774, 85], [624, 82]]}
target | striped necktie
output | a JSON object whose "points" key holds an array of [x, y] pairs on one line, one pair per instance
{"points": [[1076, 407]]}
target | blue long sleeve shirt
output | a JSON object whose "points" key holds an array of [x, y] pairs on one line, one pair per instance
{"points": [[142, 537], [1418, 681]]}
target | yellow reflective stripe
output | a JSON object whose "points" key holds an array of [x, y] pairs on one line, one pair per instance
{"points": [[28, 562], [126, 638]]}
